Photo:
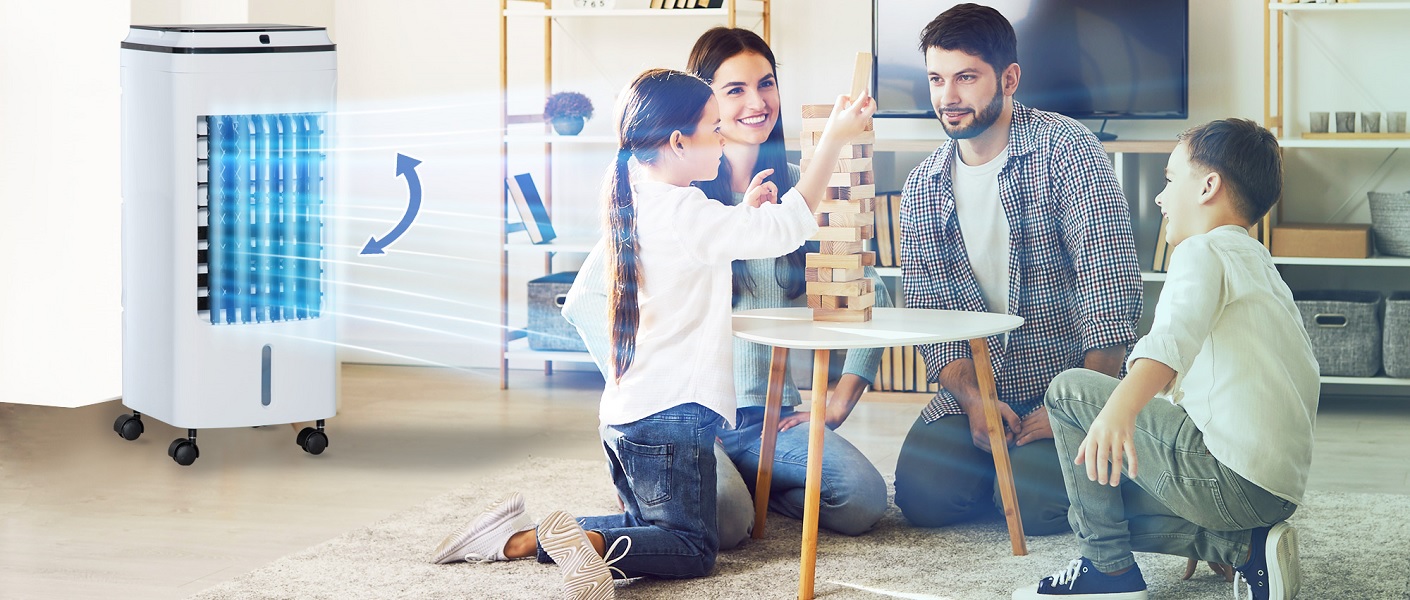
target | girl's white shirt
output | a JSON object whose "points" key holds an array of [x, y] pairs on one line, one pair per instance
{"points": [[684, 347]]}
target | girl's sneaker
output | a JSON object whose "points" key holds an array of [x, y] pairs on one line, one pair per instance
{"points": [[484, 538], [585, 574], [1082, 580], [1271, 572]]}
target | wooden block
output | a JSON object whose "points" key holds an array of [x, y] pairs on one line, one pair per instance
{"points": [[848, 151], [823, 274], [844, 165], [854, 192], [865, 137], [840, 261], [849, 179], [817, 111], [839, 275], [843, 234], [842, 247], [817, 125], [850, 219], [861, 75], [842, 315], [847, 206], [845, 288], [842, 302]]}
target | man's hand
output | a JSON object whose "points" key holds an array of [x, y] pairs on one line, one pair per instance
{"points": [[979, 430], [1035, 426]]}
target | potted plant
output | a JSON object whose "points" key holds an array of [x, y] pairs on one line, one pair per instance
{"points": [[567, 111]]}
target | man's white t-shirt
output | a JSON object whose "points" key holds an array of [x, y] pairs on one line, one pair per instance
{"points": [[984, 227]]}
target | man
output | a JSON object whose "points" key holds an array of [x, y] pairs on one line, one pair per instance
{"points": [[1019, 213]]}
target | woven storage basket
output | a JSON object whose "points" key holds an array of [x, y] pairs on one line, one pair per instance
{"points": [[1345, 328], [1390, 221], [548, 330], [1396, 340]]}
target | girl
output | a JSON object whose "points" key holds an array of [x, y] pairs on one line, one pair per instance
{"points": [[670, 381]]}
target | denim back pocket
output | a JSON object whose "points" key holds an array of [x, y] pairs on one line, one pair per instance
{"points": [[1197, 500], [648, 470]]}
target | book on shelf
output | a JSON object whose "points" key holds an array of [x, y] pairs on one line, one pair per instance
{"points": [[531, 209], [1162, 249]]}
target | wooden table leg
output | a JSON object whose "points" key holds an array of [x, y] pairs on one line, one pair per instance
{"points": [[813, 491], [772, 404], [984, 369]]}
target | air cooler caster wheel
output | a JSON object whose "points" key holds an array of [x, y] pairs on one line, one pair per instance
{"points": [[313, 441], [183, 451], [129, 427]]}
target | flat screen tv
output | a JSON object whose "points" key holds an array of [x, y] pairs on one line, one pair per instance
{"points": [[1087, 59]]}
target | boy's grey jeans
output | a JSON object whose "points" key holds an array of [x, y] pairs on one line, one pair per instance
{"points": [[1182, 502]]}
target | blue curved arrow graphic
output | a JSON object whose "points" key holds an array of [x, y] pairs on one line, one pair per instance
{"points": [[406, 166]]}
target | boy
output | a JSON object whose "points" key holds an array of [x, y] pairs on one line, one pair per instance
{"points": [[1213, 471]]}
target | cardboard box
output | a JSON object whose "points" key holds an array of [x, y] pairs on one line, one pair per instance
{"points": [[1322, 240]]}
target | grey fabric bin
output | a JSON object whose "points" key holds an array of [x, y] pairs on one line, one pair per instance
{"points": [[548, 330], [1345, 328], [1390, 222], [1396, 340]]}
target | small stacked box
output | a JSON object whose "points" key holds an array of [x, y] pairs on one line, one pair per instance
{"points": [[837, 288]]}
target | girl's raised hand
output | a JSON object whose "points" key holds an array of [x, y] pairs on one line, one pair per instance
{"points": [[849, 117], [761, 192]]}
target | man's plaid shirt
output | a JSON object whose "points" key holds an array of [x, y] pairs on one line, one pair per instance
{"points": [[1072, 258]]}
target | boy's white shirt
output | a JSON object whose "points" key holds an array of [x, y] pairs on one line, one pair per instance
{"points": [[1244, 368], [684, 344]]}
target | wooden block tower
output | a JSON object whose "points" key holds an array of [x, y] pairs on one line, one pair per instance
{"points": [[837, 288]]}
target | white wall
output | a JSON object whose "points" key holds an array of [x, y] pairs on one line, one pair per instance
{"points": [[60, 333], [420, 77]]}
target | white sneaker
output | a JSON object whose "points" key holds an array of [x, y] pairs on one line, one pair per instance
{"points": [[484, 538], [585, 575]]}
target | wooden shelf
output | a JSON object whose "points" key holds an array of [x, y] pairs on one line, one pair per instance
{"points": [[548, 138], [1339, 142], [1339, 6], [929, 145], [519, 349], [753, 8], [583, 245], [1382, 381], [1375, 261]]}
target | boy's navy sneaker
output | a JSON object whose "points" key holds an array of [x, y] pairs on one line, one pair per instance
{"points": [[1081, 579], [1271, 572]]}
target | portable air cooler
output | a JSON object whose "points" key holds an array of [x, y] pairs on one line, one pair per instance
{"points": [[226, 304]]}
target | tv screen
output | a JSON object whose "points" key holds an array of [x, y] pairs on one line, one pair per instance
{"points": [[1087, 59]]}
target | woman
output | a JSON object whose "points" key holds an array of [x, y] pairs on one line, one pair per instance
{"points": [[740, 67]]}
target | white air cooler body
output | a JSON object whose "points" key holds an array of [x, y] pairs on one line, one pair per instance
{"points": [[227, 310]]}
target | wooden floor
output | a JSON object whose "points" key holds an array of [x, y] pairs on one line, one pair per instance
{"points": [[86, 514]]}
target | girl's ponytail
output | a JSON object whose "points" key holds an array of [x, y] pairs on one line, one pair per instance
{"points": [[626, 266]]}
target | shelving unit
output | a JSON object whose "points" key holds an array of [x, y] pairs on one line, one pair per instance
{"points": [[513, 343], [1275, 90]]}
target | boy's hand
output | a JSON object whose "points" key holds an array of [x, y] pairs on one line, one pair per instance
{"points": [[1110, 440], [1034, 427], [761, 192], [849, 118]]}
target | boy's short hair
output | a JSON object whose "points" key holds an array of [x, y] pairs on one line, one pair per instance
{"points": [[976, 30], [1246, 156]]}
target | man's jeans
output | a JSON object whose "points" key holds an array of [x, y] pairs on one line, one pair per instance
{"points": [[1182, 501], [664, 470], [853, 492]]}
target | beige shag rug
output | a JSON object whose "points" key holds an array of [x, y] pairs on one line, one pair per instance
{"points": [[1354, 546]]}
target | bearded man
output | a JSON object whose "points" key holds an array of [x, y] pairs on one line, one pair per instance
{"points": [[1019, 212]]}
